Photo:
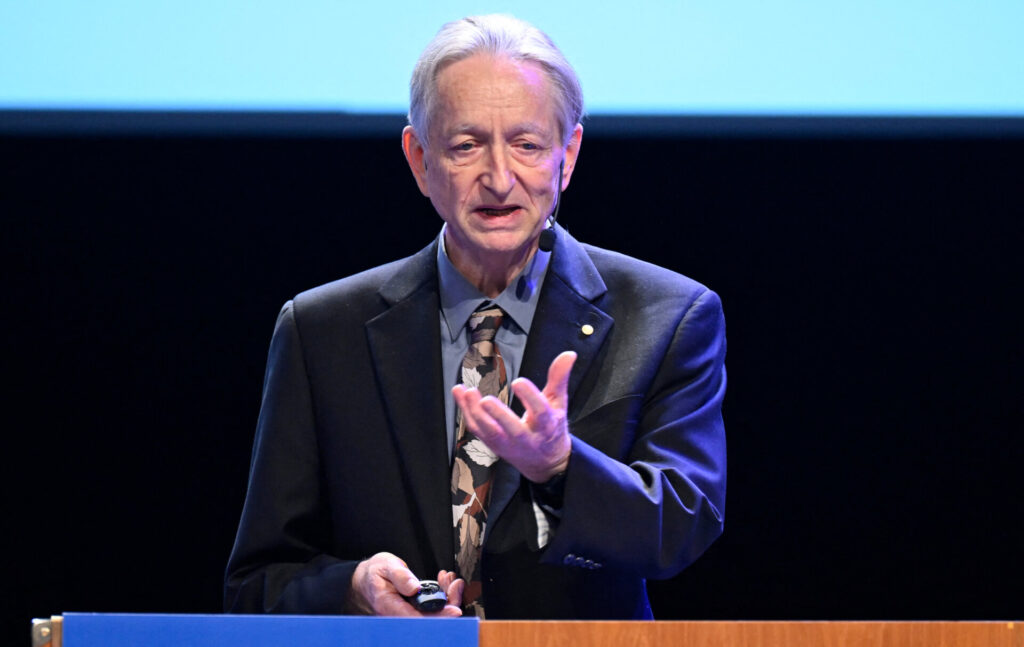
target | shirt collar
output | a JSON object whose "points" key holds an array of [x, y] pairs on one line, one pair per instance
{"points": [[460, 299]]}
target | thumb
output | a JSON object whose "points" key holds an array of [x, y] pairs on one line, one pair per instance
{"points": [[557, 388], [412, 585], [402, 578]]}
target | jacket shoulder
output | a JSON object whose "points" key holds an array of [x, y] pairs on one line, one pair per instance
{"points": [[627, 275], [385, 284], [343, 292]]}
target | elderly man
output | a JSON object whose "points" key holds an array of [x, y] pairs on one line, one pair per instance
{"points": [[535, 421]]}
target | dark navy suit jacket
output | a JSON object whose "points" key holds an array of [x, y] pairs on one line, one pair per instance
{"points": [[350, 456]]}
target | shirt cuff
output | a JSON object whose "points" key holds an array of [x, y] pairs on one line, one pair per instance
{"points": [[550, 493]]}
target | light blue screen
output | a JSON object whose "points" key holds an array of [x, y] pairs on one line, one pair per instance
{"points": [[900, 57]]}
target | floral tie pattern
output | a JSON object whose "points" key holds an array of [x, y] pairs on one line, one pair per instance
{"points": [[483, 368]]}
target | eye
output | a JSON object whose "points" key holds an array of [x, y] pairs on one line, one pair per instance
{"points": [[464, 147]]}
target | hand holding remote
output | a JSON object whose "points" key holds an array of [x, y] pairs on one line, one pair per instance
{"points": [[431, 598], [383, 585]]}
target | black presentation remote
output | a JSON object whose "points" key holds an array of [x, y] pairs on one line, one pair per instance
{"points": [[430, 598]]}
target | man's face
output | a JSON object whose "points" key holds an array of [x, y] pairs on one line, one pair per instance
{"points": [[491, 170]]}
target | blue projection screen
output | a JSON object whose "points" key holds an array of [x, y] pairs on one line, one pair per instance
{"points": [[905, 57]]}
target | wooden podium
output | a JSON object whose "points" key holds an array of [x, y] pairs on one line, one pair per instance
{"points": [[127, 630], [751, 634]]}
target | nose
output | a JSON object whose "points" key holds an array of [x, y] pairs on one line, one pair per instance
{"points": [[498, 176]]}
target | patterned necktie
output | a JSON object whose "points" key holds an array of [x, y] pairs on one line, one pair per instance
{"points": [[483, 368]]}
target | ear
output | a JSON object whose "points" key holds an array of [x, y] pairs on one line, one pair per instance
{"points": [[572, 152], [415, 154]]}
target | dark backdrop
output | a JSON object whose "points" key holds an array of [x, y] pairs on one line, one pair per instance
{"points": [[872, 294]]}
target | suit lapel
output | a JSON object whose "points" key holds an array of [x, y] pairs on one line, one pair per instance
{"points": [[564, 312], [406, 353]]}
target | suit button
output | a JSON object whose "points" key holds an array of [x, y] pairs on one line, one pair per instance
{"points": [[589, 564], [569, 559], [579, 561], [598, 565]]}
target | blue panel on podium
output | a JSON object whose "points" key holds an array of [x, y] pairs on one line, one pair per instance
{"points": [[138, 630]]}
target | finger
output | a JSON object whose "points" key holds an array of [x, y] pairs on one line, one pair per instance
{"points": [[400, 577], [395, 605], [478, 421], [455, 591], [536, 404], [459, 395], [458, 390], [386, 601], [465, 398], [502, 416], [557, 387], [444, 579]]}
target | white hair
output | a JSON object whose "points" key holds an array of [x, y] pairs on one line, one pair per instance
{"points": [[498, 35]]}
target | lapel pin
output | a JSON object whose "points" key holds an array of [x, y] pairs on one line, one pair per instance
{"points": [[587, 329]]}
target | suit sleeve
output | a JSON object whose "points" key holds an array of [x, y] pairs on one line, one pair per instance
{"points": [[654, 504], [279, 563]]}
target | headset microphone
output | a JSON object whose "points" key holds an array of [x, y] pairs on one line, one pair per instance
{"points": [[547, 237]]}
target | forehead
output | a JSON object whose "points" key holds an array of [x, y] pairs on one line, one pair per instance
{"points": [[484, 88]]}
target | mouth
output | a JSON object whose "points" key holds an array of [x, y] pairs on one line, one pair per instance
{"points": [[497, 212]]}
